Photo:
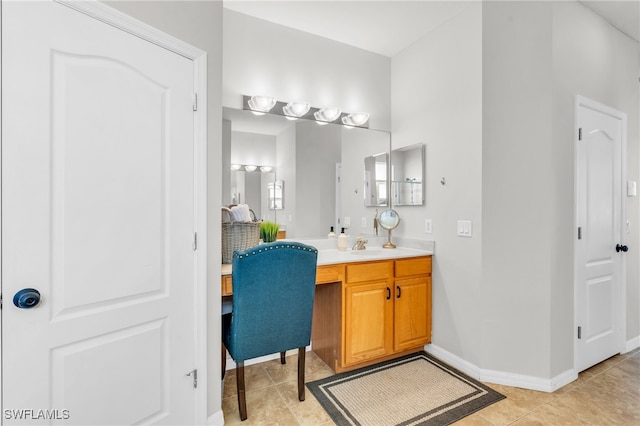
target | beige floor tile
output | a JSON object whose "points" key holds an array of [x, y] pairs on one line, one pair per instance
{"points": [[547, 415], [474, 419], [263, 406], [503, 412]]}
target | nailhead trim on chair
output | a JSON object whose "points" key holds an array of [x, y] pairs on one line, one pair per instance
{"points": [[260, 250]]}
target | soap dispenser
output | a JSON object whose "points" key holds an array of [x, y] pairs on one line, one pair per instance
{"points": [[331, 233], [342, 241]]}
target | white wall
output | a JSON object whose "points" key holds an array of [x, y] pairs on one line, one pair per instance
{"points": [[264, 58], [437, 100], [200, 24]]}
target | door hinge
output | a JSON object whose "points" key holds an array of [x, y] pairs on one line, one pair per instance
{"points": [[194, 245], [580, 133], [579, 232], [195, 101], [0, 300], [194, 374], [579, 332]]}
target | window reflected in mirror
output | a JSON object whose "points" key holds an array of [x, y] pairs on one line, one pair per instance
{"points": [[375, 180], [276, 195]]}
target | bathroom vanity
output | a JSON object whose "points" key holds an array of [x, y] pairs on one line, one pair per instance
{"points": [[370, 305]]}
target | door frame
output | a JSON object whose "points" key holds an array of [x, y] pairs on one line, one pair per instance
{"points": [[104, 13], [582, 101]]}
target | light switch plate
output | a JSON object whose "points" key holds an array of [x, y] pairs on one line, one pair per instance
{"points": [[363, 222], [347, 221], [632, 188], [465, 228], [428, 226]]}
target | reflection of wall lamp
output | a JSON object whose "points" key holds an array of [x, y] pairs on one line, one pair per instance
{"points": [[250, 168], [294, 110]]}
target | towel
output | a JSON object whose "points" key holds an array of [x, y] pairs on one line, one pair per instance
{"points": [[241, 213]]}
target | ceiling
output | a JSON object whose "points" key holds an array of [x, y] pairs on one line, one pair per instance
{"points": [[388, 27]]}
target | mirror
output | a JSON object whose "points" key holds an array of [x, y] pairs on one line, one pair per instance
{"points": [[407, 175], [375, 180], [321, 164], [389, 220]]}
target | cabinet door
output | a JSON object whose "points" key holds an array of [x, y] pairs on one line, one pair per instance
{"points": [[412, 312], [368, 321]]}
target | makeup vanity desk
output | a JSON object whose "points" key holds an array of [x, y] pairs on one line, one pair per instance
{"points": [[370, 305]]}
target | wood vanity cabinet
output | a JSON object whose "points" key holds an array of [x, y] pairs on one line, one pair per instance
{"points": [[386, 309], [367, 312], [412, 304]]}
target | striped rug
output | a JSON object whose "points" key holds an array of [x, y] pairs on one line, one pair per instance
{"points": [[413, 390]]}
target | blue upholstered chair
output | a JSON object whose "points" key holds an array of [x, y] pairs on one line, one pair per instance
{"points": [[273, 290]]}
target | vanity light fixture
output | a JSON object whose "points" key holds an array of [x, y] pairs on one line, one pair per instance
{"points": [[327, 115], [262, 104], [355, 119], [295, 110], [250, 168], [235, 167], [266, 169]]}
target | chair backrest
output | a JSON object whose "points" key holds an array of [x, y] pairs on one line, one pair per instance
{"points": [[273, 291]]}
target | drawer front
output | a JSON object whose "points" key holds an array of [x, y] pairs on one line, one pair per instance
{"points": [[227, 289], [413, 266], [329, 274], [369, 271]]}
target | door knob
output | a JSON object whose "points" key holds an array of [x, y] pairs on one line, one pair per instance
{"points": [[27, 298], [620, 248]]}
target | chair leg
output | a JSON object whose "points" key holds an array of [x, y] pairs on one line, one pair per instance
{"points": [[301, 355], [242, 399], [223, 360], [283, 359]]}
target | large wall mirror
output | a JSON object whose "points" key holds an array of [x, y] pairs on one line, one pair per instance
{"points": [[407, 175], [319, 170]]}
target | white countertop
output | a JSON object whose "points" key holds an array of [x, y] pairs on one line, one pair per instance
{"points": [[332, 256]]}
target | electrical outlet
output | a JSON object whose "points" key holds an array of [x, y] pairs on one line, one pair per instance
{"points": [[363, 222], [428, 226], [347, 221]]}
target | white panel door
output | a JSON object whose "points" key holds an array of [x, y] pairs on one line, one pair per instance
{"points": [[599, 184], [98, 216]]}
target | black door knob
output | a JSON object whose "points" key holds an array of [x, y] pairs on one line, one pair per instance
{"points": [[620, 248], [27, 298]]}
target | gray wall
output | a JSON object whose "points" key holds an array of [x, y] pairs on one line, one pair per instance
{"points": [[491, 93], [437, 100], [262, 58]]}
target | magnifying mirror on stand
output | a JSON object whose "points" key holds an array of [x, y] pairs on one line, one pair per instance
{"points": [[389, 219]]}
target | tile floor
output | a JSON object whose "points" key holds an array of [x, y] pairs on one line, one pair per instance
{"points": [[606, 394]]}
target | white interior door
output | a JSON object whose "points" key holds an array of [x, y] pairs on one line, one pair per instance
{"points": [[98, 216], [599, 265]]}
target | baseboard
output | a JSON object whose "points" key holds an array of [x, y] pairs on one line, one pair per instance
{"points": [[632, 344], [216, 419], [500, 377]]}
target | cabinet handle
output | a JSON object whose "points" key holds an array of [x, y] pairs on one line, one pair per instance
{"points": [[399, 292], [388, 293]]}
